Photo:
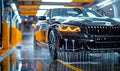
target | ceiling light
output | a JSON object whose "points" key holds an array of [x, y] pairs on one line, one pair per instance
{"points": [[19, 19], [56, 0], [104, 2], [110, 9], [13, 6], [16, 12]]}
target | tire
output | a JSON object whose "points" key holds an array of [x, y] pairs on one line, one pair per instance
{"points": [[53, 65], [53, 43]]}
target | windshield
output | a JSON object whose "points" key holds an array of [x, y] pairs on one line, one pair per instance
{"points": [[74, 12]]}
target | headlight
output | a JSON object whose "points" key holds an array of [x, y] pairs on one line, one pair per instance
{"points": [[69, 28]]}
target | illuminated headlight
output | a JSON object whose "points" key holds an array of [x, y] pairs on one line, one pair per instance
{"points": [[69, 28]]}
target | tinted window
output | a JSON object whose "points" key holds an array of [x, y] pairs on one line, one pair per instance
{"points": [[75, 12]]}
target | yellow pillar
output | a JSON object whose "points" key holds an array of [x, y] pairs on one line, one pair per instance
{"points": [[5, 44], [39, 65], [14, 59], [40, 35], [6, 64], [13, 37], [16, 36], [6, 35]]}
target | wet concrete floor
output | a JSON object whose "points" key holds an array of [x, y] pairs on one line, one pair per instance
{"points": [[30, 59]]}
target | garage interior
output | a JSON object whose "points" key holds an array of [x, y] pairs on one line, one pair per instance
{"points": [[19, 50]]}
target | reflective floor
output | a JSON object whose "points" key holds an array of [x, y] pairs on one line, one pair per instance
{"points": [[30, 59]]}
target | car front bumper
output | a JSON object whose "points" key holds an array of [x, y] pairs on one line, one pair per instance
{"points": [[76, 43]]}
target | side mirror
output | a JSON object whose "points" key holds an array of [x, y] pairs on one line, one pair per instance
{"points": [[53, 21], [42, 18]]}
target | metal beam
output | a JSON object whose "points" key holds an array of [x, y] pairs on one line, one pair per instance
{"points": [[29, 6], [60, 3]]}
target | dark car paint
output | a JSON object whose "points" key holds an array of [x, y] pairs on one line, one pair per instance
{"points": [[84, 38]]}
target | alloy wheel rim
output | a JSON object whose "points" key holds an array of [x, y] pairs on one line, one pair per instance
{"points": [[52, 44]]}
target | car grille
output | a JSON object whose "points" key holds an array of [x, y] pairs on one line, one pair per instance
{"points": [[107, 39], [103, 30], [103, 45]]}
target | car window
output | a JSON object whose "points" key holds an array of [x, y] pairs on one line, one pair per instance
{"points": [[63, 14], [59, 12], [75, 12], [91, 14]]}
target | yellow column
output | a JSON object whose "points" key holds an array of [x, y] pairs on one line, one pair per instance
{"points": [[6, 64], [14, 59], [13, 37], [6, 35], [40, 35], [5, 44], [16, 36], [39, 65]]}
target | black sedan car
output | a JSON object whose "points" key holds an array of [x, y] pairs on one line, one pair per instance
{"points": [[75, 29]]}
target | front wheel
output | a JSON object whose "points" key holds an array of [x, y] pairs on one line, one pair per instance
{"points": [[53, 43]]}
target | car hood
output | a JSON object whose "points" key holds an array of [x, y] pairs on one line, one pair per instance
{"points": [[88, 21]]}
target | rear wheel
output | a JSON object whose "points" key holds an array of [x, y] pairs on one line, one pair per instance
{"points": [[53, 44]]}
